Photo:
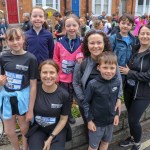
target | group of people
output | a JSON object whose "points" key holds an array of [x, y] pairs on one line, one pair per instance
{"points": [[40, 80]]}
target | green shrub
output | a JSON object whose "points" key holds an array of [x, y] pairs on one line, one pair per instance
{"points": [[75, 111]]}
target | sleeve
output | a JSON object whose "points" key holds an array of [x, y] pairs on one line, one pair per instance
{"points": [[33, 68], [139, 76], [2, 72], [86, 102], [112, 41], [66, 104], [51, 46], [77, 86], [56, 56], [120, 93]]}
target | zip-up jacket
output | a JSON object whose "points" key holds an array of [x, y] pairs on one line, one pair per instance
{"points": [[121, 49], [139, 65], [100, 100], [65, 53]]}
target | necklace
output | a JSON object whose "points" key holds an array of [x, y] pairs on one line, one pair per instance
{"points": [[71, 45]]}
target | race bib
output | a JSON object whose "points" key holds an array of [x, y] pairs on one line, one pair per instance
{"points": [[14, 81], [68, 66]]}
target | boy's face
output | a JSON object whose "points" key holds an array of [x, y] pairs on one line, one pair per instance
{"points": [[125, 26], [107, 70]]}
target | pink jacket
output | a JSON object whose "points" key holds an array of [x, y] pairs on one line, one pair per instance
{"points": [[66, 61], [138, 25]]}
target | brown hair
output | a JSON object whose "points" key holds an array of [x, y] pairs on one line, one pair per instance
{"points": [[38, 7], [10, 32], [125, 17], [107, 58], [107, 44], [49, 62], [72, 16]]}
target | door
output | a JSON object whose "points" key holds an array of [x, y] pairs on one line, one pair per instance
{"points": [[12, 11], [124, 4], [75, 7]]}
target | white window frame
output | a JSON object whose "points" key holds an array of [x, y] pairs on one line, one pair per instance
{"points": [[102, 7], [44, 4]]}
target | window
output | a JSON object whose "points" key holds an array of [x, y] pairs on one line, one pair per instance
{"points": [[52, 3], [106, 5], [39, 2], [98, 6], [140, 7], [147, 6]]}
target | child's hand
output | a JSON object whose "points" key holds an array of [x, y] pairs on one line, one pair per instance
{"points": [[118, 106], [91, 126], [79, 60], [116, 120], [3, 79]]}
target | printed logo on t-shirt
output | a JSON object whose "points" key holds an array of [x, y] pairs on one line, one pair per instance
{"points": [[68, 66], [14, 80], [56, 105], [22, 67]]}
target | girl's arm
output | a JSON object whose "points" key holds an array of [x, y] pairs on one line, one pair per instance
{"points": [[61, 124], [51, 46], [33, 85], [3, 80]]}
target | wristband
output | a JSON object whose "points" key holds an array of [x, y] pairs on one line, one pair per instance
{"points": [[52, 135]]}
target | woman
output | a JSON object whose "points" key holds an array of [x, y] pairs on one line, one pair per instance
{"points": [[136, 90], [51, 111], [95, 42]]}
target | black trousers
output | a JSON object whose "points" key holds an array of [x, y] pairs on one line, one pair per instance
{"points": [[37, 139], [135, 109]]}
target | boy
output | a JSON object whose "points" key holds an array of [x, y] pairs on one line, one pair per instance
{"points": [[123, 41], [99, 104]]}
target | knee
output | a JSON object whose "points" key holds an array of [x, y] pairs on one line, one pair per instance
{"points": [[103, 143], [10, 132], [24, 130]]}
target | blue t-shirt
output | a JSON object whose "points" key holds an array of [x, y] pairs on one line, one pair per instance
{"points": [[126, 39]]}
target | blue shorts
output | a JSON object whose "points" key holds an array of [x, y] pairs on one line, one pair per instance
{"points": [[101, 134]]}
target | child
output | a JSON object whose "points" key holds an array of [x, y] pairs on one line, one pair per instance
{"points": [[123, 41], [65, 53], [99, 104], [39, 41], [19, 74]]}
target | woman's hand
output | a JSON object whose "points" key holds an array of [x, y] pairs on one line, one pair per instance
{"points": [[47, 143], [116, 120], [3, 80], [91, 126], [29, 116], [124, 70]]}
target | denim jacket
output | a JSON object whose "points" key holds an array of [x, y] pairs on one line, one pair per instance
{"points": [[121, 49]]}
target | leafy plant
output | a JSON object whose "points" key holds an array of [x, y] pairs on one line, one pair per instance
{"points": [[75, 111]]}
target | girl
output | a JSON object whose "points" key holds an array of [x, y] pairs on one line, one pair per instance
{"points": [[65, 53], [39, 40], [19, 74], [51, 111], [136, 89]]}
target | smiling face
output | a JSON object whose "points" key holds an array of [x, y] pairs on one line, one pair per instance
{"points": [[107, 70], [71, 27], [37, 18], [95, 45], [144, 36], [48, 75], [125, 26]]}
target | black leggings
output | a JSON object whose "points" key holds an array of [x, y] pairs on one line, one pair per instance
{"points": [[135, 108], [37, 139]]}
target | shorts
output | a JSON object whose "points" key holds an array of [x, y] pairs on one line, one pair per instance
{"points": [[14, 106], [101, 134]]}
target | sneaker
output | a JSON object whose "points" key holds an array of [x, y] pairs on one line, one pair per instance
{"points": [[127, 142], [136, 147], [71, 120]]}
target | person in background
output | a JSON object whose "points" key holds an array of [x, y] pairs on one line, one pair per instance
{"points": [[51, 110], [103, 16], [100, 100], [139, 21], [136, 89], [39, 41], [87, 19], [59, 31], [83, 28], [26, 24], [107, 26], [19, 78], [123, 41], [66, 53]]}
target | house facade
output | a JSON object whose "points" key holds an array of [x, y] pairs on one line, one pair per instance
{"points": [[13, 10]]}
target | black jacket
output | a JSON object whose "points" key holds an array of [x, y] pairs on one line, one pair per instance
{"points": [[139, 65], [100, 100]]}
